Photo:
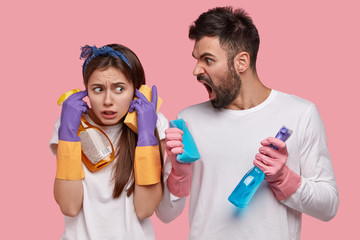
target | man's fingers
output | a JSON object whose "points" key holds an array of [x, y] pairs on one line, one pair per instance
{"points": [[174, 130], [173, 144], [277, 142], [177, 150]]}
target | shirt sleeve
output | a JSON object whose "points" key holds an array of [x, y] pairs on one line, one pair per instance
{"points": [[170, 206], [161, 124], [317, 195]]}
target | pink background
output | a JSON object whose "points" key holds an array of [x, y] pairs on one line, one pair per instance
{"points": [[308, 48]]}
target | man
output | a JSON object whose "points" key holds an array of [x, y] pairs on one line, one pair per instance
{"points": [[232, 132]]}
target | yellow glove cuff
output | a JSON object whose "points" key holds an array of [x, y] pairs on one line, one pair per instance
{"points": [[69, 161], [147, 165]]}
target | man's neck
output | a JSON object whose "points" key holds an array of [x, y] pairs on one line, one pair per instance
{"points": [[252, 93]]}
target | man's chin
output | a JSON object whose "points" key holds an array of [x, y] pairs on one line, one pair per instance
{"points": [[216, 104], [220, 103]]}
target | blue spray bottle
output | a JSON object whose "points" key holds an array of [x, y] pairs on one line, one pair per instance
{"points": [[248, 185]]}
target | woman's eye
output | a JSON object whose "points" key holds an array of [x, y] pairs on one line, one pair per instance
{"points": [[97, 90], [118, 89]]}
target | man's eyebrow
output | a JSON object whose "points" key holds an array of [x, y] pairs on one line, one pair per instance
{"points": [[206, 54]]}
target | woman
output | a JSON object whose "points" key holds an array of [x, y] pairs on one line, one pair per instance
{"points": [[116, 201]]}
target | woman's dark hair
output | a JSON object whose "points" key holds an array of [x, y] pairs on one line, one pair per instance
{"points": [[123, 172], [235, 29]]}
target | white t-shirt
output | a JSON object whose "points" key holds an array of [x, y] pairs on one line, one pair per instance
{"points": [[228, 141], [102, 216]]}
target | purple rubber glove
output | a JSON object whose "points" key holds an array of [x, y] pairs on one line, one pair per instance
{"points": [[146, 117], [70, 119]]}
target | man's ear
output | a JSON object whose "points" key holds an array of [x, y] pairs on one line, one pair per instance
{"points": [[242, 62]]}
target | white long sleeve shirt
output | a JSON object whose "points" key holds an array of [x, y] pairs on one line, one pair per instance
{"points": [[228, 141]]}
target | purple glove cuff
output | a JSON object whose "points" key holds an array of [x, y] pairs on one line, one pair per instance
{"points": [[147, 140], [67, 134]]}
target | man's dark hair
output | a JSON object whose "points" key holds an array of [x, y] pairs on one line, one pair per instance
{"points": [[235, 29]]}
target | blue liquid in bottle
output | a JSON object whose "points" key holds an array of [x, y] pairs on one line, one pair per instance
{"points": [[248, 185]]}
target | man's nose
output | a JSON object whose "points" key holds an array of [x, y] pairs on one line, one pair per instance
{"points": [[198, 70]]}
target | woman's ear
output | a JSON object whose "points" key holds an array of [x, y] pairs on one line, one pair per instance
{"points": [[242, 62]]}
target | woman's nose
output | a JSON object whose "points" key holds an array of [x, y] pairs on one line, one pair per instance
{"points": [[108, 101]]}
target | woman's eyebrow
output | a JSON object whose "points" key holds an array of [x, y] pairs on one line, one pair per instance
{"points": [[118, 83], [97, 84], [112, 84]]}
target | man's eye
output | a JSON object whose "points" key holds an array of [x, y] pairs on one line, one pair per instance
{"points": [[208, 60], [97, 89]]}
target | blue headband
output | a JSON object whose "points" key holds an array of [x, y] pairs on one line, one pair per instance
{"points": [[91, 52]]}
